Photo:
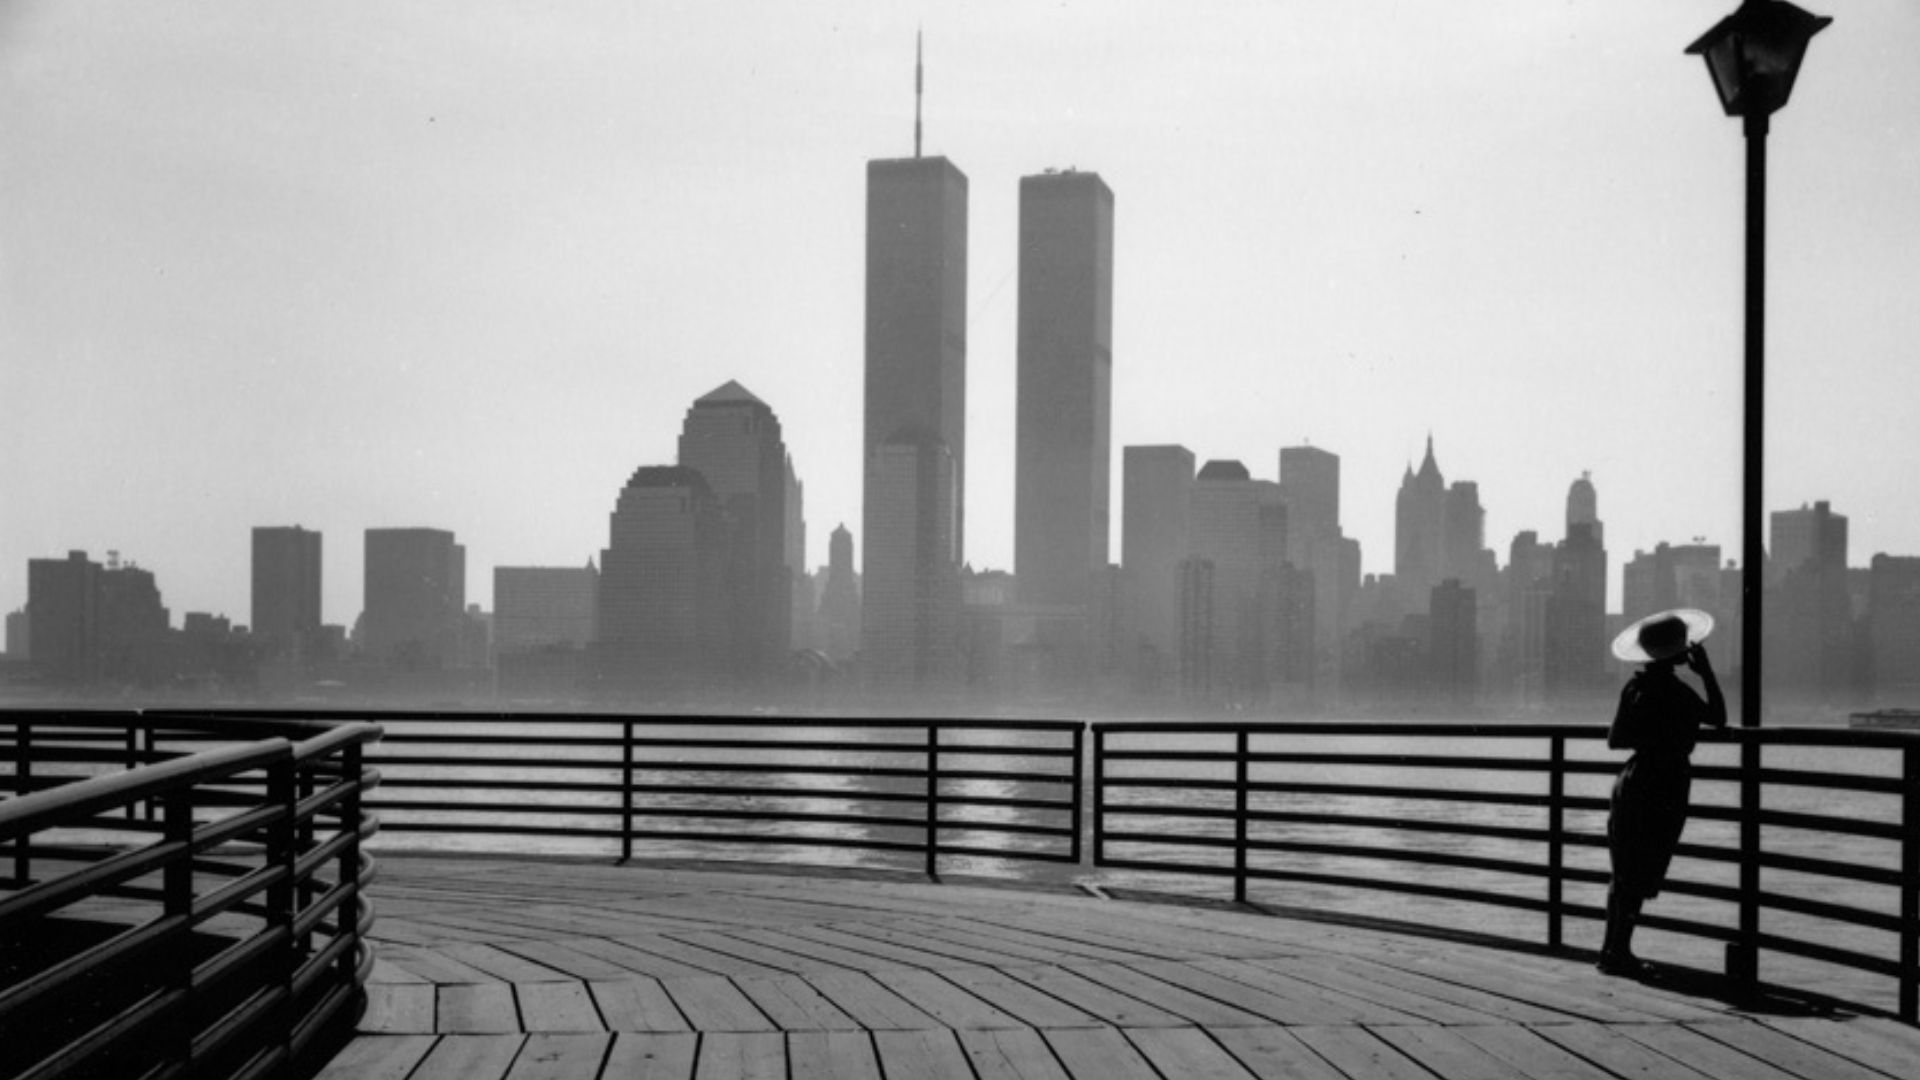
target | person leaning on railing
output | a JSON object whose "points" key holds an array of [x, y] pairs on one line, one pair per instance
{"points": [[1659, 719]]}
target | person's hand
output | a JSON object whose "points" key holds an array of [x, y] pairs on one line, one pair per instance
{"points": [[1697, 659]]}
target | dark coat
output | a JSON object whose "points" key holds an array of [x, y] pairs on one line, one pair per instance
{"points": [[1659, 719]]}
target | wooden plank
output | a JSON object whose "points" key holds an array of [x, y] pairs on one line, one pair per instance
{"points": [[1018, 952], [1187, 1053], [1274, 1051], [873, 1006], [557, 1007], [482, 1009], [742, 1056], [1269, 1007], [948, 951], [502, 965], [1610, 1049], [1360, 1054], [808, 942], [1698, 1052], [561, 1057], [1096, 1000], [1098, 1054], [714, 1004], [769, 949], [1584, 996], [1355, 1008], [1114, 928], [384, 972], [1392, 997], [793, 1004], [718, 963], [921, 1055], [435, 968], [1165, 995], [634, 960], [637, 1056], [469, 1057], [378, 1057], [1786, 1052], [903, 953], [398, 1009], [1884, 1045], [1484, 1001], [1445, 1053], [832, 1055], [1057, 946], [567, 961], [942, 1000], [1010, 1054], [632, 1004], [1010, 995], [1527, 1051]]}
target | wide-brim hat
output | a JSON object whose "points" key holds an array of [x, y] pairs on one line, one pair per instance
{"points": [[1663, 635]]}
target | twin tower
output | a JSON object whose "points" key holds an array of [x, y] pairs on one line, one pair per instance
{"points": [[915, 420]]}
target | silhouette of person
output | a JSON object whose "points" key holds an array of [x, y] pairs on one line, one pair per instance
{"points": [[1659, 719]]}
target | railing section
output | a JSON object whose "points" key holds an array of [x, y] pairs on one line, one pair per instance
{"points": [[1510, 819], [174, 907], [665, 787]]}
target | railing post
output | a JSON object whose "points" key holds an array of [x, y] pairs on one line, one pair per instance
{"points": [[22, 778], [933, 801], [1079, 752], [304, 891], [1240, 816], [1910, 888], [1556, 824], [1099, 796], [626, 792], [351, 812], [176, 893], [280, 793], [132, 747], [1743, 954]]}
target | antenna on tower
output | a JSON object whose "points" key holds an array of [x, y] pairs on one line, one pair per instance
{"points": [[919, 87]]}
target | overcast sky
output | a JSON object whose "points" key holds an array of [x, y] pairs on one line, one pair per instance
{"points": [[466, 264]]}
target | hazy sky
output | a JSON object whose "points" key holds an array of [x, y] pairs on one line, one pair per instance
{"points": [[465, 264]]}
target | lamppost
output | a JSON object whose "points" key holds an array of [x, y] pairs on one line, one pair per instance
{"points": [[1753, 56]]}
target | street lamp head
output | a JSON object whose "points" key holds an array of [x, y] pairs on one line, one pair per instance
{"points": [[1754, 53]]}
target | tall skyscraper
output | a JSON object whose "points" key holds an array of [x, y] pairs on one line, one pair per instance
{"points": [[840, 597], [1583, 508], [1310, 486], [733, 440], [1419, 529], [1576, 612], [1238, 525], [914, 445], [286, 589], [415, 597], [662, 608], [1809, 625], [1812, 534], [1062, 480], [63, 613], [1893, 628], [1156, 484]]}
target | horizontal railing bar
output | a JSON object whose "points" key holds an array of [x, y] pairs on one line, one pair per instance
{"points": [[1365, 791], [120, 1027], [1010, 828], [747, 839], [1791, 820], [29, 813], [999, 853], [208, 905], [48, 986], [46, 897], [473, 829]]}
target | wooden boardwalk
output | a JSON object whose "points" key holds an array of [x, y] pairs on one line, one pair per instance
{"points": [[520, 970]]}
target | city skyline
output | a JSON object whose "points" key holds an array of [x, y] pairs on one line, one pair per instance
{"points": [[376, 304]]}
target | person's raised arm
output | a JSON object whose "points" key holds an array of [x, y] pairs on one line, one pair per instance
{"points": [[1716, 701]]}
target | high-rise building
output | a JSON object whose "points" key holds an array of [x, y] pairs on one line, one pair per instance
{"points": [[414, 610], [1809, 619], [914, 449], [733, 440], [910, 591], [840, 597], [662, 609], [1156, 483], [94, 625], [19, 635], [286, 589], [1812, 534], [1238, 525], [1062, 451], [1576, 615], [1583, 508], [1670, 576], [1419, 529], [544, 607], [1893, 628], [1453, 649]]}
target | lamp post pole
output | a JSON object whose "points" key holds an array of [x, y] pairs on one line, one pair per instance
{"points": [[1753, 56]]}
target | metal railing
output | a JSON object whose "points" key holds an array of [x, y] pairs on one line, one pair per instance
{"points": [[1355, 806], [663, 786], [173, 908]]}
